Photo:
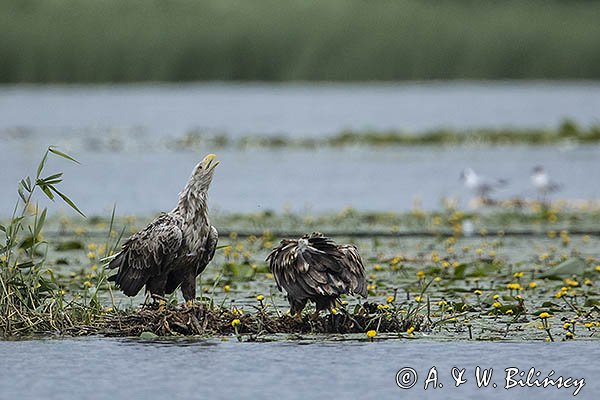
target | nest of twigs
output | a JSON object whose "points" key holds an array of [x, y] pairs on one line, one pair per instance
{"points": [[202, 319]]}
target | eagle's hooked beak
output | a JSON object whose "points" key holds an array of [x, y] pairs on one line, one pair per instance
{"points": [[209, 162]]}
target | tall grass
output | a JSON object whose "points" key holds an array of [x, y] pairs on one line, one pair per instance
{"points": [[32, 300], [274, 40]]}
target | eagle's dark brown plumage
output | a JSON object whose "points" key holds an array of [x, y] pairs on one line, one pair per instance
{"points": [[174, 248], [316, 268]]}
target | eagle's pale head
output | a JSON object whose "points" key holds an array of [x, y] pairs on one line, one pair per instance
{"points": [[203, 173], [194, 195]]}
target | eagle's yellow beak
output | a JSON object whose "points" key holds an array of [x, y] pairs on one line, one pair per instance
{"points": [[209, 162]]}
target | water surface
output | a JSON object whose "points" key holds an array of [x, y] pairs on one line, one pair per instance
{"points": [[129, 369], [295, 109], [120, 134]]}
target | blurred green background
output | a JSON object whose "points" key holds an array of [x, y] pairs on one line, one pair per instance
{"points": [[277, 40]]}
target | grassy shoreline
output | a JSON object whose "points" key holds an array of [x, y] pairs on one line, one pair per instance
{"points": [[568, 132]]}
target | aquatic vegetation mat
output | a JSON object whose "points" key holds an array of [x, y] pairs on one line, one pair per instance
{"points": [[206, 320]]}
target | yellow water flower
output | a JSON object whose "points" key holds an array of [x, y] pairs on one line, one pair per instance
{"points": [[226, 288], [91, 255], [508, 312], [544, 315], [377, 267], [396, 260], [518, 274], [478, 292], [497, 304], [496, 297], [598, 268], [372, 333], [390, 299], [410, 330], [88, 284], [235, 322], [418, 299], [571, 282], [567, 325], [532, 285], [420, 274], [514, 286], [588, 282], [260, 297], [92, 246]]}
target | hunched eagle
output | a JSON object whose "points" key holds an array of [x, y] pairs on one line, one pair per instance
{"points": [[316, 268], [174, 248]]}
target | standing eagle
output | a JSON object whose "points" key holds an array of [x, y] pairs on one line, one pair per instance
{"points": [[174, 248], [316, 268]]}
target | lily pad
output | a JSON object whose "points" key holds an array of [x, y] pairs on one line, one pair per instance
{"points": [[570, 267], [148, 336]]}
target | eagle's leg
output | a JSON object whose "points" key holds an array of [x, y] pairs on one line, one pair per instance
{"points": [[188, 287], [296, 307], [156, 287], [323, 303]]}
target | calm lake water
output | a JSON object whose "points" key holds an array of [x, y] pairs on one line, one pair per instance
{"points": [[130, 369], [118, 133], [305, 109]]}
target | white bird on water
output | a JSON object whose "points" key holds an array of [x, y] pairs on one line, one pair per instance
{"points": [[542, 182], [481, 185]]}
